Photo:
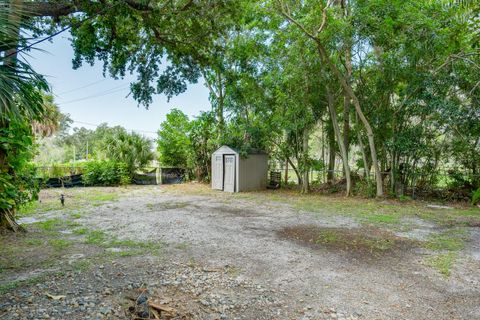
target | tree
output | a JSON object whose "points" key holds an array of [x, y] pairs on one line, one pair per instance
{"points": [[173, 143], [202, 136], [52, 119], [21, 102], [311, 10], [132, 149], [139, 36]]}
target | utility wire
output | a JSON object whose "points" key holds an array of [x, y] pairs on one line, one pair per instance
{"points": [[82, 87], [99, 94], [97, 125], [39, 41], [59, 32]]}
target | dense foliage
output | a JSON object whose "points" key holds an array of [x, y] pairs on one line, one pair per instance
{"points": [[379, 92], [383, 95], [104, 143], [105, 173], [24, 111], [188, 144], [17, 179]]}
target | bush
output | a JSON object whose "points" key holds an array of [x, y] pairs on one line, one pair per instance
{"points": [[123, 173], [365, 188], [476, 197], [105, 173]]}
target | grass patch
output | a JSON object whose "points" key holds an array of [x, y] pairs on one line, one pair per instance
{"points": [[124, 253], [60, 244], [354, 241], [36, 207], [370, 211], [103, 197], [33, 242], [383, 219], [81, 265], [450, 243], [28, 209], [452, 240], [76, 215], [96, 237], [80, 231], [101, 239], [6, 287], [358, 241], [443, 263], [49, 225], [327, 237]]}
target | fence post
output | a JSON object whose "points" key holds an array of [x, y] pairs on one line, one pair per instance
{"points": [[286, 172]]}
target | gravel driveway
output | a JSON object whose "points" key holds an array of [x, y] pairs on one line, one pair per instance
{"points": [[234, 257]]}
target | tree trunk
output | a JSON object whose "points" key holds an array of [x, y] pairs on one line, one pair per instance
{"points": [[286, 172], [299, 177], [331, 155], [340, 141], [349, 91], [220, 105], [323, 150], [7, 216], [217, 91], [346, 98], [366, 165], [305, 166], [346, 123]]}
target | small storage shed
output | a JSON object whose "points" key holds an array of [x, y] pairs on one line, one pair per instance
{"points": [[233, 173]]}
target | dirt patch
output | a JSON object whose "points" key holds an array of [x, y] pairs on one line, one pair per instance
{"points": [[361, 242], [167, 205], [236, 211]]}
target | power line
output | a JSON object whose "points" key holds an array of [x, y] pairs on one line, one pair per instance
{"points": [[82, 87], [97, 125], [39, 41], [98, 94], [58, 32]]}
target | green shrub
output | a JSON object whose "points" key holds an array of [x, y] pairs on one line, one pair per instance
{"points": [[123, 173], [476, 197], [365, 188], [105, 173], [18, 184], [404, 198], [56, 171]]}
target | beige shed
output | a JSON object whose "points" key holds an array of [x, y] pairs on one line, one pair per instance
{"points": [[233, 173]]}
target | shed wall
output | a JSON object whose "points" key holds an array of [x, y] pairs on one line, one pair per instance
{"points": [[252, 172]]}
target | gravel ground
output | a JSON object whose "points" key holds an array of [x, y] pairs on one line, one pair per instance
{"points": [[225, 258]]}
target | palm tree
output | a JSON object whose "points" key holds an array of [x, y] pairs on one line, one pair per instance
{"points": [[51, 119], [130, 148], [21, 103]]}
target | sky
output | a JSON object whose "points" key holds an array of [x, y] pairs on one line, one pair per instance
{"points": [[91, 99]]}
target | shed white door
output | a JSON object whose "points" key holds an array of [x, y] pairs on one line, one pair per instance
{"points": [[229, 177], [217, 172]]}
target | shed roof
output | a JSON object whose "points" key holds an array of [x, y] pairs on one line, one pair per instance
{"points": [[236, 151]]}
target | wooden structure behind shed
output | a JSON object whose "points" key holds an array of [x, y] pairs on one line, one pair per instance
{"points": [[233, 173]]}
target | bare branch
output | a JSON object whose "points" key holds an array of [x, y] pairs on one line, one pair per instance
{"points": [[288, 16], [324, 17]]}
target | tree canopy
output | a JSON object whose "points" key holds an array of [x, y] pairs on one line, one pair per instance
{"points": [[383, 96]]}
